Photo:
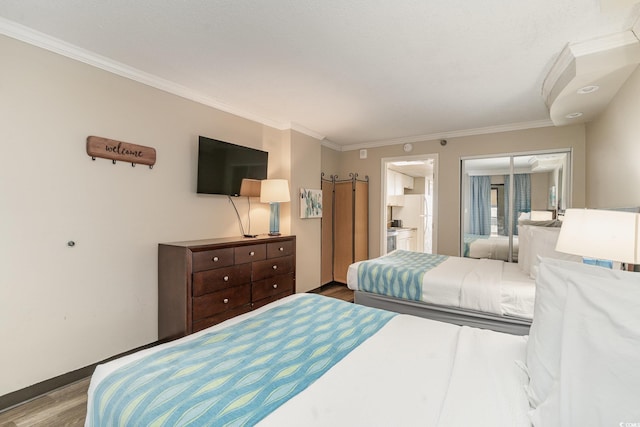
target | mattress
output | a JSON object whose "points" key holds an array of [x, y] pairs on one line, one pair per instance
{"points": [[412, 371], [490, 286]]}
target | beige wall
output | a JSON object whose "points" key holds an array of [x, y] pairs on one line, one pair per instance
{"points": [[330, 160], [63, 308], [305, 152], [613, 151], [540, 191], [449, 172]]}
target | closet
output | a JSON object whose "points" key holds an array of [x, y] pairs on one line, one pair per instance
{"points": [[345, 225]]}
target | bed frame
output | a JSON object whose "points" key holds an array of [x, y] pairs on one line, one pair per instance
{"points": [[457, 316]]}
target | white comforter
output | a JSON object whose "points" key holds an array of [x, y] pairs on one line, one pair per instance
{"points": [[490, 286], [413, 372]]}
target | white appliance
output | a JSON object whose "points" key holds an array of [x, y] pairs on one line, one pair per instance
{"points": [[414, 215]]}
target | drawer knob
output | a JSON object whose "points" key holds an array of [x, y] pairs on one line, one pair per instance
{"points": [[214, 259], [226, 300], [225, 278], [281, 249], [275, 267], [275, 286], [252, 253]]}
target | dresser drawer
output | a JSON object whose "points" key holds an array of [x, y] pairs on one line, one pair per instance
{"points": [[216, 258], [272, 286], [208, 281], [272, 267], [279, 249], [244, 254], [219, 302]]}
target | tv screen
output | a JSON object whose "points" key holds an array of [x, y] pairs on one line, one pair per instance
{"points": [[222, 166]]}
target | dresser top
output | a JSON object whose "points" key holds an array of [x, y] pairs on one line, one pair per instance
{"points": [[231, 241]]}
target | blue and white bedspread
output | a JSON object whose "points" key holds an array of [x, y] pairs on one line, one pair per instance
{"points": [[399, 274], [237, 375], [485, 285], [469, 239]]}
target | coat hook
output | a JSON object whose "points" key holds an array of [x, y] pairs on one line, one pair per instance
{"points": [[93, 158], [150, 166], [114, 162], [133, 165]]}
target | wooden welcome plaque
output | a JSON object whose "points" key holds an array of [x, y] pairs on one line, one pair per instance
{"points": [[117, 150]]}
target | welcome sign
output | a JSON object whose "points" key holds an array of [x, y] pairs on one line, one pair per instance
{"points": [[123, 151]]}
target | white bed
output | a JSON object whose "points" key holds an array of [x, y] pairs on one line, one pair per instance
{"points": [[413, 371], [490, 247], [488, 286]]}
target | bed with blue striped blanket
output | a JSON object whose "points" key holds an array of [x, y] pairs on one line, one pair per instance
{"points": [[322, 362], [259, 363], [400, 274], [487, 286]]}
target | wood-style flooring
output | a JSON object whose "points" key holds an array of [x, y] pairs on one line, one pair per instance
{"points": [[67, 406]]}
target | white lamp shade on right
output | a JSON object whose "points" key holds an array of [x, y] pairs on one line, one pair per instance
{"points": [[601, 234], [274, 190]]}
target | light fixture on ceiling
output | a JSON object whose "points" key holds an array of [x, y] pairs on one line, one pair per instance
{"points": [[587, 89], [573, 115]]}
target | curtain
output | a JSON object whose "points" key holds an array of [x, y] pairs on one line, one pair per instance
{"points": [[521, 198], [480, 205]]}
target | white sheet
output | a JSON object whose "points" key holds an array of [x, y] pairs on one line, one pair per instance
{"points": [[414, 371], [490, 286], [493, 247]]}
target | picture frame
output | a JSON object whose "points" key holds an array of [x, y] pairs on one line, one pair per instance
{"points": [[310, 203]]}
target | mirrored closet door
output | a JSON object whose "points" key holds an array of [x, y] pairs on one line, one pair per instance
{"points": [[500, 192]]}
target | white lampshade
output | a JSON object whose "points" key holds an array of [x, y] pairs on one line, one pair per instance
{"points": [[274, 190], [601, 234]]}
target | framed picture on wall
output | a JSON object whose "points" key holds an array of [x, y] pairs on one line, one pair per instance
{"points": [[310, 203]]}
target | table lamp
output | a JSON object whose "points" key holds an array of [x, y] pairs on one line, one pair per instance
{"points": [[600, 235], [274, 192]]}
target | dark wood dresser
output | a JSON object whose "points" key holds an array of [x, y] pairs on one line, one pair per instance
{"points": [[204, 282]]}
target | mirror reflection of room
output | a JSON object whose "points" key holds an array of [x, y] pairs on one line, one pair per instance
{"points": [[502, 193]]}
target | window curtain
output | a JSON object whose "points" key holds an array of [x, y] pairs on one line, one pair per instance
{"points": [[521, 196], [480, 205]]}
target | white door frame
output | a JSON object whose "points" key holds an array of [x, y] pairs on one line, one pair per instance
{"points": [[383, 199]]}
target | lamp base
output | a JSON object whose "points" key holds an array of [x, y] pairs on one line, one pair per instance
{"points": [[275, 234], [599, 262]]}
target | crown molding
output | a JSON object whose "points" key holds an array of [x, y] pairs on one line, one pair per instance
{"points": [[332, 145], [451, 134], [306, 131], [558, 69], [52, 44], [600, 44]]}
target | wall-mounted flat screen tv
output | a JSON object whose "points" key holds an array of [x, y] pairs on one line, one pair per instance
{"points": [[222, 166]]}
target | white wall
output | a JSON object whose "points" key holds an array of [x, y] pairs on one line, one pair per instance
{"points": [[613, 151], [63, 308]]}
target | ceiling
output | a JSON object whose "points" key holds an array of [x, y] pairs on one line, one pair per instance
{"points": [[354, 72]]}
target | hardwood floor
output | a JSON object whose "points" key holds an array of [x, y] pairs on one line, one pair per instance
{"points": [[335, 290], [67, 406]]}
